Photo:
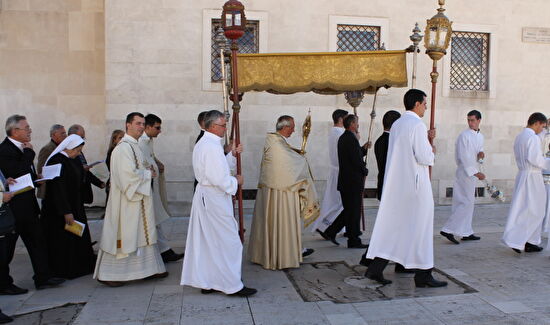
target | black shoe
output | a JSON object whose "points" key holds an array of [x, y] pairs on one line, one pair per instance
{"points": [[208, 291], [13, 290], [401, 269], [50, 283], [530, 248], [171, 256], [112, 284], [5, 318], [244, 292], [433, 283], [358, 245], [157, 276], [471, 237], [449, 237], [516, 250], [365, 261], [378, 278], [307, 252], [327, 237]]}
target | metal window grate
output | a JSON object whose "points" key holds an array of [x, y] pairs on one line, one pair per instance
{"points": [[469, 61], [248, 43], [352, 38]]}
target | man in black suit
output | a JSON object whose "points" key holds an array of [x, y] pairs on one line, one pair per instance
{"points": [[381, 148], [351, 181], [381, 153], [16, 159], [88, 177]]}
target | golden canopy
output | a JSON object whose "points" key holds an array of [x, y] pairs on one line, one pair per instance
{"points": [[325, 73]]}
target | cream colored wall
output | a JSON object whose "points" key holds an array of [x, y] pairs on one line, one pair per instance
{"points": [[52, 67], [51, 61]]}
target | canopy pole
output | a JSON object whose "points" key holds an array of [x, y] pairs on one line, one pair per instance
{"points": [[372, 116], [236, 128]]}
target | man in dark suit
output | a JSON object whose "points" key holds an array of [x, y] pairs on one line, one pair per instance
{"points": [[381, 153], [89, 178], [16, 159], [57, 134], [381, 147], [351, 181]]}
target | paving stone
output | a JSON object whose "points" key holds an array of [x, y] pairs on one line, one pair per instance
{"points": [[511, 307], [402, 311]]}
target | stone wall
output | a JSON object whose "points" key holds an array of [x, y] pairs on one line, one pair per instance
{"points": [[52, 68]]}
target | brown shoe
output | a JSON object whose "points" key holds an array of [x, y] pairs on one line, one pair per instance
{"points": [[112, 284]]}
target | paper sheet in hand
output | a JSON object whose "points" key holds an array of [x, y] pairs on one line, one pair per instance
{"points": [[50, 172], [101, 171], [23, 184], [76, 228]]}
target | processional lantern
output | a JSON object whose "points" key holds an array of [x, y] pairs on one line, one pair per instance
{"points": [[233, 19], [233, 24], [436, 40]]}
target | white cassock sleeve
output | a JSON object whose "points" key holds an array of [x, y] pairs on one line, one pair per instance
{"points": [[134, 183], [217, 174], [232, 162], [534, 154], [463, 155], [422, 148]]}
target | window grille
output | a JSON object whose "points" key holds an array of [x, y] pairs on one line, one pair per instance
{"points": [[248, 43], [353, 38], [469, 61]]}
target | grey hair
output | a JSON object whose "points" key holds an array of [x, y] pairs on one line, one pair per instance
{"points": [[55, 128], [283, 121], [12, 122], [211, 117], [73, 129]]}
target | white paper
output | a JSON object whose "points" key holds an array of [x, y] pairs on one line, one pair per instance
{"points": [[50, 172], [21, 183]]}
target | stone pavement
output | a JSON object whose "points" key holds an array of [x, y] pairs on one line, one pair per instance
{"points": [[507, 288]]}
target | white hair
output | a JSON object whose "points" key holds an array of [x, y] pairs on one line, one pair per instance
{"points": [[55, 128], [13, 122]]}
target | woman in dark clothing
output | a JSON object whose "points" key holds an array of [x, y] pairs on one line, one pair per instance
{"points": [[116, 136], [69, 255]]}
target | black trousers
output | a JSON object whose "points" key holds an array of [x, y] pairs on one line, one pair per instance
{"points": [[31, 233], [350, 217], [377, 266]]}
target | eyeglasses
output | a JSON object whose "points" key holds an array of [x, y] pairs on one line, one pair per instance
{"points": [[28, 128], [222, 125]]}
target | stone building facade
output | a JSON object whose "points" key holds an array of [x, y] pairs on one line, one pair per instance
{"points": [[93, 61]]}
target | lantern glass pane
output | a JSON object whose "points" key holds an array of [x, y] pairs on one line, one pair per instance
{"points": [[237, 16], [228, 21], [442, 36], [433, 37]]}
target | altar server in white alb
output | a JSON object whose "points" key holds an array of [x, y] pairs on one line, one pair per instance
{"points": [[468, 152], [213, 252], [403, 231], [128, 249], [332, 201], [153, 128], [524, 225]]}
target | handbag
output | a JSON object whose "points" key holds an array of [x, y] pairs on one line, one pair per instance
{"points": [[7, 220]]}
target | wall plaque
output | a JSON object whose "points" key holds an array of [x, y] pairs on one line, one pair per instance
{"points": [[536, 35]]}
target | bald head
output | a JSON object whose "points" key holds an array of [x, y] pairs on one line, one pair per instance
{"points": [[78, 130]]}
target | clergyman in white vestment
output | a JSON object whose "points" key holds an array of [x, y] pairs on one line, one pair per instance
{"points": [[331, 206], [403, 230], [160, 204], [213, 251], [468, 151], [524, 224], [128, 249]]}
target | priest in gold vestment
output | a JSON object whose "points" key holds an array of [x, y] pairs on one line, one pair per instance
{"points": [[286, 193]]}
